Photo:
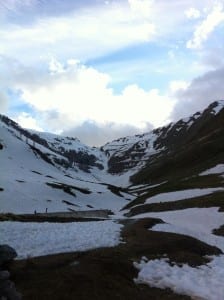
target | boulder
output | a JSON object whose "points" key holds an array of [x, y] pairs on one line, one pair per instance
{"points": [[7, 254]]}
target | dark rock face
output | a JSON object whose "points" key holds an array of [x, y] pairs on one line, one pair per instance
{"points": [[7, 287]]}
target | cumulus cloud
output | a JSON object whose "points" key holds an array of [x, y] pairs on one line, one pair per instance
{"points": [[76, 93], [201, 92], [98, 134], [27, 121], [207, 26], [70, 94]]}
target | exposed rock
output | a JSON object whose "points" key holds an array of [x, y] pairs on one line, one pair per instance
{"points": [[7, 287]]}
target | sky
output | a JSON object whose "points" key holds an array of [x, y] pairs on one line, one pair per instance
{"points": [[99, 70]]}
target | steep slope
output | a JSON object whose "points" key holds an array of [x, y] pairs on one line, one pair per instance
{"points": [[74, 153], [148, 154], [191, 145]]}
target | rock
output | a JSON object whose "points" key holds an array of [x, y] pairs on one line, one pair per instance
{"points": [[7, 287], [7, 254], [8, 291]]}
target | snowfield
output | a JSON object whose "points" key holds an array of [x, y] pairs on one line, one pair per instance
{"points": [[38, 239], [204, 282]]}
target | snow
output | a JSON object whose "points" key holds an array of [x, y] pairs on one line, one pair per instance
{"points": [[195, 222], [218, 169], [37, 239], [204, 282], [219, 107], [24, 190], [181, 195]]}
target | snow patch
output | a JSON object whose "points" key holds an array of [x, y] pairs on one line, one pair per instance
{"points": [[205, 282], [37, 239], [218, 169]]}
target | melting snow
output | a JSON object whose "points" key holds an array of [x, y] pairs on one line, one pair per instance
{"points": [[204, 282], [37, 239]]}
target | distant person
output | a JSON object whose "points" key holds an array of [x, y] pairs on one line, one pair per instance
{"points": [[46, 210]]}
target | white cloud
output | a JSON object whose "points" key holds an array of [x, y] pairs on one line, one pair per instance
{"points": [[85, 33], [81, 93], [74, 94], [206, 27], [142, 7], [27, 121], [177, 85], [192, 13]]}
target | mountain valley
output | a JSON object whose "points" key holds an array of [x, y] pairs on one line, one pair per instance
{"points": [[125, 220]]}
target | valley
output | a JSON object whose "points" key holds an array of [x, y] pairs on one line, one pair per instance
{"points": [[139, 218]]}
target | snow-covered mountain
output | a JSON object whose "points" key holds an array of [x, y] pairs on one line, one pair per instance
{"points": [[38, 173], [43, 170]]}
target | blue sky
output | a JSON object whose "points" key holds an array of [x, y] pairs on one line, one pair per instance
{"points": [[99, 70]]}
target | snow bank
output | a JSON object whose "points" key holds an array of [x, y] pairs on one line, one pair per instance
{"points": [[37, 239], [181, 195], [205, 282], [218, 169]]}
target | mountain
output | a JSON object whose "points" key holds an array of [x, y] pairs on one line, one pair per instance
{"points": [[141, 217], [74, 176], [42, 170]]}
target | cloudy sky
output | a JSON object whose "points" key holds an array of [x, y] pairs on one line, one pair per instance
{"points": [[99, 69]]}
